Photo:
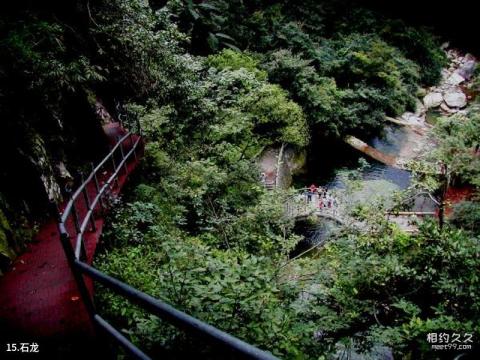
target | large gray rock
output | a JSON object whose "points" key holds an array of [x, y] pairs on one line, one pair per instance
{"points": [[448, 110], [434, 99], [455, 79], [419, 108], [455, 98], [412, 118], [467, 69], [446, 74]]}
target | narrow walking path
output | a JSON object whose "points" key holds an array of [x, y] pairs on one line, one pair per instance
{"points": [[268, 164], [39, 296]]}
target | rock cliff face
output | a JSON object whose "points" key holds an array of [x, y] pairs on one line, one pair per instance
{"points": [[53, 78], [45, 160], [279, 164]]}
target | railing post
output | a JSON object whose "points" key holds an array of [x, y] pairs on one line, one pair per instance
{"points": [[133, 146], [87, 203], [75, 216], [122, 153], [114, 170], [82, 287], [97, 187], [83, 249]]}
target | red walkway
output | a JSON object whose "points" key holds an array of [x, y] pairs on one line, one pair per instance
{"points": [[38, 296]]}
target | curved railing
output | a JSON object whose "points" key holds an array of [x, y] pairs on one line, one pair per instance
{"points": [[102, 190], [100, 184]]}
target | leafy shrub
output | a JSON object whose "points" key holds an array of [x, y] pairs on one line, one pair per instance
{"points": [[458, 137], [419, 45], [276, 117], [264, 109], [232, 290], [393, 288], [466, 215], [318, 95], [415, 43], [367, 79], [235, 60]]}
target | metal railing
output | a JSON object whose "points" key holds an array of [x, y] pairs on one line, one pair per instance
{"points": [[305, 203], [100, 183]]}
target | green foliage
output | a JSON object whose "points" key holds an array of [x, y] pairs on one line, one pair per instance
{"points": [[235, 60], [276, 117], [354, 66], [145, 45], [458, 140], [198, 230], [226, 275], [261, 109], [475, 85], [364, 80], [232, 290], [416, 43], [466, 215], [393, 288], [319, 96], [39, 50], [419, 45], [377, 79], [205, 21]]}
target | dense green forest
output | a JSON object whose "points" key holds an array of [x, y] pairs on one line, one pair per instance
{"points": [[214, 84]]}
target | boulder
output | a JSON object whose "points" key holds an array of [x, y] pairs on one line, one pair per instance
{"points": [[467, 69], [446, 73], [455, 98], [412, 118], [419, 108], [455, 79], [445, 108], [433, 99]]}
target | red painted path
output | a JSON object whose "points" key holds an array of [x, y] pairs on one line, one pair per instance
{"points": [[38, 296], [456, 195]]}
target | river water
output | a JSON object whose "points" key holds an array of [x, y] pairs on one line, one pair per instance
{"points": [[327, 162]]}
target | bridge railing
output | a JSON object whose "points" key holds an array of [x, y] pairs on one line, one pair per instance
{"points": [[94, 194], [304, 203], [296, 203]]}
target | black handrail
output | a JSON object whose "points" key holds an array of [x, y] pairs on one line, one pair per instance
{"points": [[77, 259]]}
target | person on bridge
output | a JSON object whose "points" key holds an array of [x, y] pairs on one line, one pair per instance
{"points": [[311, 191], [321, 205], [321, 191]]}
